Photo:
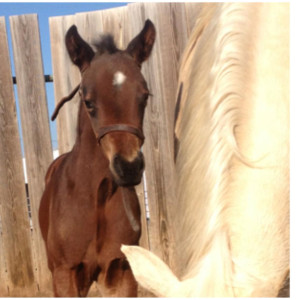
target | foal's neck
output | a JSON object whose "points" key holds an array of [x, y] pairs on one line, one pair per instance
{"points": [[86, 140]]}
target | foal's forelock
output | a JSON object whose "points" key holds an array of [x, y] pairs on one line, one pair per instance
{"points": [[106, 44]]}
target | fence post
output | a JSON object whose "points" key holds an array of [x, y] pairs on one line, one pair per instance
{"points": [[35, 127], [16, 269], [66, 77]]}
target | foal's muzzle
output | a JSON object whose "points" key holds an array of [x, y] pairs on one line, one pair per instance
{"points": [[128, 173]]}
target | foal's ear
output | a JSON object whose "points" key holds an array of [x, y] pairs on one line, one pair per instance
{"points": [[79, 51], [141, 46]]}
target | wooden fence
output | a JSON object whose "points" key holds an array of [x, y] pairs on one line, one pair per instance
{"points": [[23, 265]]}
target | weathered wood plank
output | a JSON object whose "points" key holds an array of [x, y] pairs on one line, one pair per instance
{"points": [[161, 72], [16, 268], [137, 19], [111, 21], [35, 126], [131, 32], [66, 77], [90, 26], [193, 10], [115, 22]]}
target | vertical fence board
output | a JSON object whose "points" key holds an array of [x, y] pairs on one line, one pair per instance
{"points": [[136, 23], [66, 77], [115, 23], [90, 26], [35, 126], [192, 12], [16, 269], [161, 72]]}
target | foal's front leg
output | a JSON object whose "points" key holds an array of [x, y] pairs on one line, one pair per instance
{"points": [[118, 280], [64, 282]]}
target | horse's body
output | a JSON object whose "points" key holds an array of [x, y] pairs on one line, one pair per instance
{"points": [[232, 165], [89, 206]]}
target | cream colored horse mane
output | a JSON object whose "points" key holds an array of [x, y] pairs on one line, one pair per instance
{"points": [[232, 212]]}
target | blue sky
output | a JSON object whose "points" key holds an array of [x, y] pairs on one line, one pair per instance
{"points": [[44, 11]]}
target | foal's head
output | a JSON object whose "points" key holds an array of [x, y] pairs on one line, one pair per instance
{"points": [[115, 93]]}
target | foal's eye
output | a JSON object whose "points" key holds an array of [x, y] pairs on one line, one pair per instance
{"points": [[89, 105]]}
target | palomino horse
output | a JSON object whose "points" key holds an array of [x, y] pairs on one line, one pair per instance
{"points": [[232, 212], [89, 206]]}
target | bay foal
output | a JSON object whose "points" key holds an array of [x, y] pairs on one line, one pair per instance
{"points": [[89, 206]]}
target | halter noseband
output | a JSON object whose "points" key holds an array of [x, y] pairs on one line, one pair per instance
{"points": [[121, 127]]}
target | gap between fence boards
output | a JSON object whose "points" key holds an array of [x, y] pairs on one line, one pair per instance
{"points": [[47, 78]]}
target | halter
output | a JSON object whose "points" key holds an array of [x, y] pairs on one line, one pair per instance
{"points": [[104, 129]]}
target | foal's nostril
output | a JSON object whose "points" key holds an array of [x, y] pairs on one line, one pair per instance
{"points": [[117, 165], [129, 173], [116, 159]]}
